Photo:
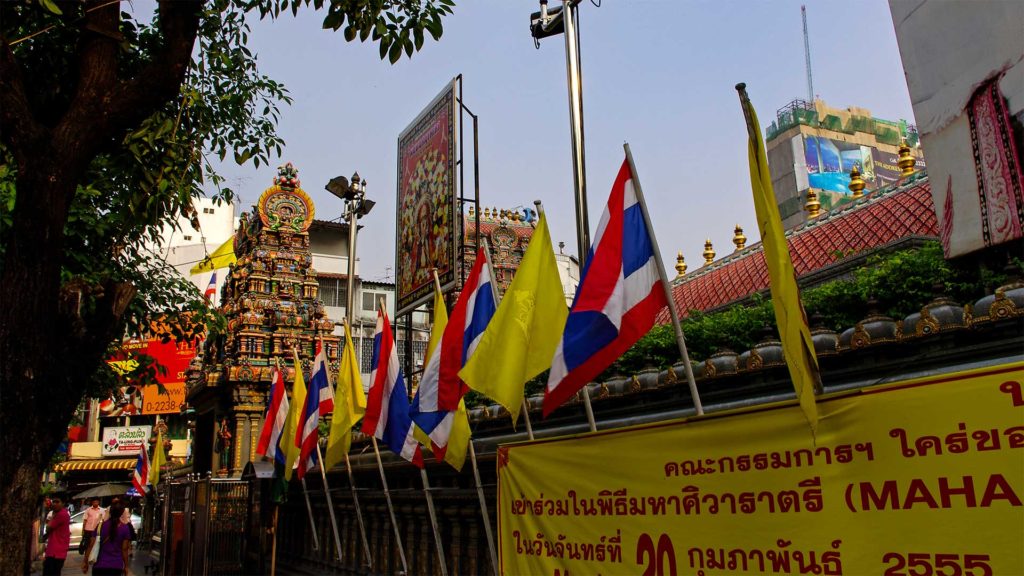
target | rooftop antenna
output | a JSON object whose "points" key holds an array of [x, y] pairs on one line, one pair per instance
{"points": [[807, 57]]}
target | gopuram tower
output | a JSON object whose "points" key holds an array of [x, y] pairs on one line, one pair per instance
{"points": [[270, 304]]}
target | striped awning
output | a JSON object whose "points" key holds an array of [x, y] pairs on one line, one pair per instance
{"points": [[102, 464]]}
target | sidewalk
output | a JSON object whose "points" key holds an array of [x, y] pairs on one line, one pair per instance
{"points": [[73, 564]]}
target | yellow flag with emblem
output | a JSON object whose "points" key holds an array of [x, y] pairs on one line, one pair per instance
{"points": [[220, 258], [159, 459], [522, 336], [291, 426]]}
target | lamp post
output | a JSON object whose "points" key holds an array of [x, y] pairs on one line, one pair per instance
{"points": [[356, 206]]}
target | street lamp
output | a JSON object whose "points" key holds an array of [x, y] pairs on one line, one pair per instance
{"points": [[356, 206]]}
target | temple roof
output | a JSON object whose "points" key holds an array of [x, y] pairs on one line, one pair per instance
{"points": [[880, 218]]}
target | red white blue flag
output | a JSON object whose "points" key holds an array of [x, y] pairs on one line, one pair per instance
{"points": [[211, 288], [617, 299], [140, 477], [321, 380], [274, 421], [441, 388], [387, 403]]}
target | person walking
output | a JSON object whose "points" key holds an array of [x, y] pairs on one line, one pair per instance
{"points": [[115, 545], [93, 516], [58, 539]]}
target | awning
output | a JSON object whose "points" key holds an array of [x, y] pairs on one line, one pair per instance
{"points": [[104, 464]]}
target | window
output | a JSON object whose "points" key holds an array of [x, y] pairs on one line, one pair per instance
{"points": [[188, 237], [332, 292], [207, 210], [370, 301]]}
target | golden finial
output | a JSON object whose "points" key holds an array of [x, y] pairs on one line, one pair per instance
{"points": [[856, 183], [680, 264], [738, 238], [906, 161], [812, 206], [709, 252], [487, 212], [471, 208]]}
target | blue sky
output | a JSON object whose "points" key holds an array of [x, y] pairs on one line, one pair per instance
{"points": [[658, 74]]}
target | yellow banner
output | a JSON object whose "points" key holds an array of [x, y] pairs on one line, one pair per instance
{"points": [[919, 478]]}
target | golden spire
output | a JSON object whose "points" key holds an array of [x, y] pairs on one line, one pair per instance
{"points": [[680, 264], [856, 183], [812, 206], [709, 252], [906, 161], [738, 238]]}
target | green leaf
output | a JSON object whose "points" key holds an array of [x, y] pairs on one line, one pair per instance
{"points": [[395, 52], [51, 6], [385, 43]]}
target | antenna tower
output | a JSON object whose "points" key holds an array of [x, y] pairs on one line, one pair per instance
{"points": [[807, 57]]}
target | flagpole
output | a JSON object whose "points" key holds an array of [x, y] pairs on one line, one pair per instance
{"points": [[355, 494], [323, 471], [330, 501], [483, 509], [680, 339], [273, 545], [384, 481], [391, 508], [586, 391], [497, 301], [433, 522], [309, 508]]}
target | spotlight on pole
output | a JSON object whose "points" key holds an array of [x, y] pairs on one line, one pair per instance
{"points": [[546, 22]]}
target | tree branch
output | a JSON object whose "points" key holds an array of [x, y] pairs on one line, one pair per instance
{"points": [[18, 127]]}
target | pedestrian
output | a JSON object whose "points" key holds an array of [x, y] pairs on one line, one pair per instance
{"points": [[93, 516], [115, 545], [58, 539]]}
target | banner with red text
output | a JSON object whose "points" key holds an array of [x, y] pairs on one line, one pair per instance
{"points": [[921, 477]]}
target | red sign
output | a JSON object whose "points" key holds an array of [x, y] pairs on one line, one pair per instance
{"points": [[171, 360]]}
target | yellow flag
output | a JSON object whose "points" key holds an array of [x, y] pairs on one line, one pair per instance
{"points": [[220, 258], [436, 332], [349, 404], [291, 426], [523, 334], [159, 459], [797, 345], [458, 438]]}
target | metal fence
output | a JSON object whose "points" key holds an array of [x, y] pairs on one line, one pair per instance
{"points": [[205, 520]]}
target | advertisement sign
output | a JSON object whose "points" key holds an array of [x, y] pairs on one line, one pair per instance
{"points": [[829, 163], [921, 477], [887, 167], [427, 226], [173, 357], [124, 441]]}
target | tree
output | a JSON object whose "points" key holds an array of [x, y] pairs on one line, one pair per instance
{"points": [[106, 126]]}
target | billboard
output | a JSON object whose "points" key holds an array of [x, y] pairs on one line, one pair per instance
{"points": [[124, 441], [131, 399], [919, 477], [426, 224], [829, 163]]}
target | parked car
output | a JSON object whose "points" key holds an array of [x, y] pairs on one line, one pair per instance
{"points": [[79, 518]]}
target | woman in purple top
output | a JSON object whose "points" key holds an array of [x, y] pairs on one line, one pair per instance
{"points": [[115, 545]]}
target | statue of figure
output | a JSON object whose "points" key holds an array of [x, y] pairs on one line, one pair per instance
{"points": [[224, 439]]}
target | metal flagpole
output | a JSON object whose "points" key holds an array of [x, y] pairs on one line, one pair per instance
{"points": [[664, 283], [384, 480], [359, 513], [433, 522], [586, 392], [483, 509], [323, 471], [309, 508], [330, 501], [355, 494], [391, 508], [497, 302]]}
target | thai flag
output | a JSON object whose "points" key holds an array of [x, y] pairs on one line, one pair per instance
{"points": [[321, 380], [441, 388], [319, 401], [387, 404], [274, 421], [617, 299], [211, 288], [140, 478]]}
